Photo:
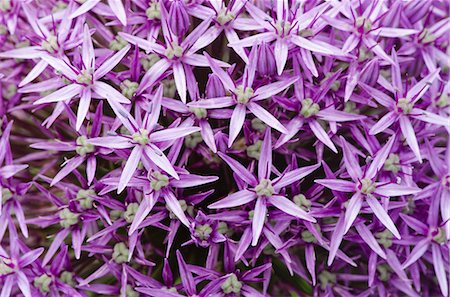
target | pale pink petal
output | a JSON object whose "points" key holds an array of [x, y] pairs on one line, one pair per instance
{"points": [[130, 167], [175, 207], [320, 133], [382, 215], [160, 160], [281, 54], [353, 208], [119, 10], [65, 93], [85, 7], [83, 107], [266, 117], [172, 133], [108, 92], [439, 268], [236, 199], [112, 62], [180, 80], [410, 135], [289, 207], [259, 217], [236, 123]]}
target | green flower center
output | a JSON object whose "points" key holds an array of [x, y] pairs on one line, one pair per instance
{"points": [[405, 105], [83, 196], [258, 125], [85, 77], [50, 44], [120, 253], [129, 88], [153, 11], [231, 285], [384, 272], [443, 101], [225, 17], [426, 36], [309, 108], [385, 238], [326, 278], [130, 292], [200, 113], [192, 140], [366, 186], [5, 266], [264, 188], [149, 61], [67, 278], [243, 95], [441, 236], [129, 214], [68, 218], [6, 194], [174, 51], [392, 163], [83, 147], [43, 283], [203, 232], [446, 181], [305, 33], [282, 28], [5, 5], [301, 201], [365, 24], [117, 43], [254, 150], [158, 180], [141, 137]]}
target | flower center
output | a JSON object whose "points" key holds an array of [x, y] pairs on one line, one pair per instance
{"points": [[384, 272], [243, 95], [83, 196], [265, 188], [309, 108], [446, 181], [392, 163], [231, 285], [254, 150], [129, 88], [384, 238], [120, 253], [85, 77], [68, 218], [149, 61], [225, 17], [174, 51], [203, 232], [443, 101], [283, 28], [43, 283], [363, 24], [50, 44], [6, 194], [200, 113], [117, 43], [404, 105], [67, 278], [158, 180], [129, 214], [5, 5], [426, 36], [6, 266], [439, 235], [153, 11], [366, 186], [326, 278], [301, 201], [141, 137], [83, 147], [192, 140]]}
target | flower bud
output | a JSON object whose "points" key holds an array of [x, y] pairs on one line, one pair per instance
{"points": [[265, 64], [214, 87], [178, 18]]}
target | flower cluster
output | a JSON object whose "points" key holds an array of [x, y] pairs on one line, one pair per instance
{"points": [[176, 148]]}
